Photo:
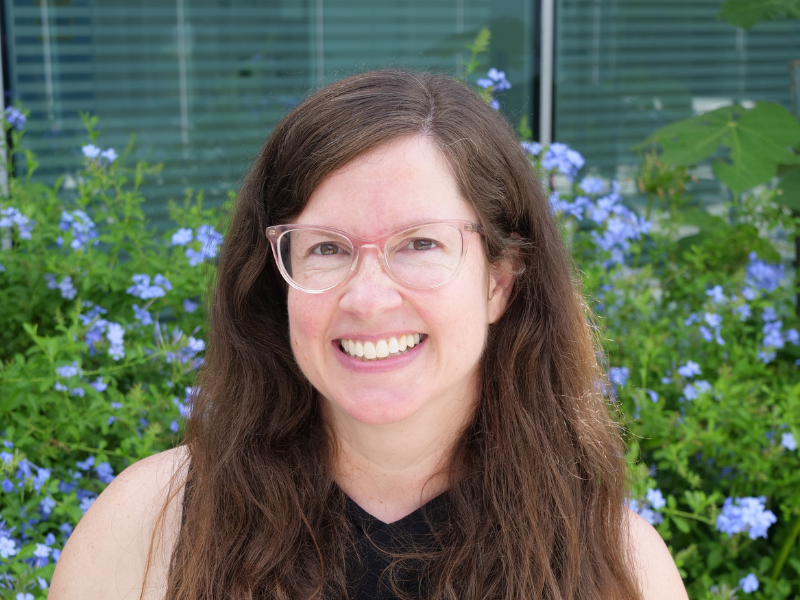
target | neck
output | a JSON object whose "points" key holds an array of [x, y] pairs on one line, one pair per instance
{"points": [[392, 469]]}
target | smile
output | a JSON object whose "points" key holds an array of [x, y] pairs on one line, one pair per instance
{"points": [[381, 349]]}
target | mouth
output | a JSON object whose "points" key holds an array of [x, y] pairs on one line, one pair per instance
{"points": [[377, 350]]}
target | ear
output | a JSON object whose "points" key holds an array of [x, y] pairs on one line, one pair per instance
{"points": [[501, 283]]}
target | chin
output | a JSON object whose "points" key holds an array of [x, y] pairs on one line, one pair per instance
{"points": [[379, 407]]}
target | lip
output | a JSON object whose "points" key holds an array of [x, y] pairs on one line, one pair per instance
{"points": [[376, 366]]}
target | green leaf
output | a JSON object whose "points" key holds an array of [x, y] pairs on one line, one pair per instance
{"points": [[681, 523], [758, 140], [789, 189], [746, 13]]}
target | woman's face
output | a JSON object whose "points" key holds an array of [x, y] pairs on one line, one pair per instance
{"points": [[400, 184]]}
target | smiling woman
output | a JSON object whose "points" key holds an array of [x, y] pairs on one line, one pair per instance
{"points": [[400, 396]]}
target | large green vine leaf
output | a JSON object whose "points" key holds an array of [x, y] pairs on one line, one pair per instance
{"points": [[758, 140], [746, 13]]}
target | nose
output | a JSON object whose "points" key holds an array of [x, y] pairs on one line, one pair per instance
{"points": [[370, 290]]}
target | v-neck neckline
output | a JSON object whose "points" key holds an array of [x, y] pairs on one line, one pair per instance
{"points": [[413, 518]]}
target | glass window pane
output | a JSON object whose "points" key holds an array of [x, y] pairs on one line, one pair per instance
{"points": [[201, 82]]}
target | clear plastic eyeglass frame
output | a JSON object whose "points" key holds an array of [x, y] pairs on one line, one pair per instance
{"points": [[276, 232]]}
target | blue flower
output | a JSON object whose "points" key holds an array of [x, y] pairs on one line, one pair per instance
{"points": [[494, 103], [116, 405], [562, 158], [792, 336], [532, 148], [8, 547], [11, 217], [189, 306], [86, 464], [142, 288], [42, 551], [706, 333], [769, 315], [690, 369], [110, 155], [766, 356], [6, 457], [618, 375], [82, 227], [104, 472], [692, 318], [653, 395], [716, 294], [7, 486], [656, 498], [87, 502], [90, 151], [98, 385], [788, 441], [114, 335], [68, 371], [174, 427], [689, 392], [749, 294], [592, 185], [23, 596], [142, 315], [702, 386], [745, 514], [15, 118], [749, 584], [744, 312], [772, 335], [46, 506], [762, 276], [495, 79], [182, 237], [80, 392]]}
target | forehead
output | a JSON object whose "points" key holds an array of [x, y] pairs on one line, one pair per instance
{"points": [[398, 184]]}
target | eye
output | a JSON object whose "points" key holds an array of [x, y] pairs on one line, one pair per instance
{"points": [[327, 249], [421, 244]]}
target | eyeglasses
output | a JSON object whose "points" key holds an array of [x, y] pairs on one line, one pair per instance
{"points": [[317, 259]]}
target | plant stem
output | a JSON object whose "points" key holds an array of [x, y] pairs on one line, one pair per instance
{"points": [[686, 515], [786, 548]]}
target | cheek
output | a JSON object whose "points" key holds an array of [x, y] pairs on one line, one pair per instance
{"points": [[307, 325]]}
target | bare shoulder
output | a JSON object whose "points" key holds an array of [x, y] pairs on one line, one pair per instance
{"points": [[107, 554], [655, 570]]}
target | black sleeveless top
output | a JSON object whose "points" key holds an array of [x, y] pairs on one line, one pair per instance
{"points": [[369, 570]]}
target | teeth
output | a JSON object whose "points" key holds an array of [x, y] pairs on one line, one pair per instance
{"points": [[382, 348]]}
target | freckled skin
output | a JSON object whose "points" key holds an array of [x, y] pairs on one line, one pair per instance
{"points": [[397, 185]]}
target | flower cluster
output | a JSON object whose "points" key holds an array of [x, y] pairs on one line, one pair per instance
{"points": [[209, 239], [97, 328], [619, 225], [495, 81], [647, 510], [745, 515], [144, 290], [65, 286], [563, 159], [16, 118], [10, 217], [93, 153], [189, 346], [82, 228]]}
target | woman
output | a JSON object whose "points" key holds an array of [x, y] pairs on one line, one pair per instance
{"points": [[399, 396]]}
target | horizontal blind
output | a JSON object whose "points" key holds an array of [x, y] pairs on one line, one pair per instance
{"points": [[627, 67], [202, 82]]}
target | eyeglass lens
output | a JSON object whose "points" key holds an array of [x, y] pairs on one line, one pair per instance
{"points": [[422, 257]]}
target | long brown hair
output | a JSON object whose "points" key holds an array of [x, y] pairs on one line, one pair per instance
{"points": [[537, 510]]}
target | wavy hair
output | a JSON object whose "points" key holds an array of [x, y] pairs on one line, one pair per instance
{"points": [[537, 509]]}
